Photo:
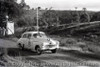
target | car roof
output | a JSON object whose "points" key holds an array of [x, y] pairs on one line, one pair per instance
{"points": [[33, 32]]}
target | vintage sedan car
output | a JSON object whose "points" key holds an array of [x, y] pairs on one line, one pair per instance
{"points": [[37, 41]]}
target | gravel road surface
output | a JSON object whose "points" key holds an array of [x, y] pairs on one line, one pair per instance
{"points": [[63, 58]]}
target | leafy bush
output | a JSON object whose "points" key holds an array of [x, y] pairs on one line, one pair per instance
{"points": [[96, 17], [21, 22]]}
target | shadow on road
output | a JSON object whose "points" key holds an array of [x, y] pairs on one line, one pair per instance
{"points": [[78, 54], [73, 53], [15, 52], [25, 52], [18, 52]]}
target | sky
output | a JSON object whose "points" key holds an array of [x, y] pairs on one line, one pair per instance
{"points": [[93, 5]]}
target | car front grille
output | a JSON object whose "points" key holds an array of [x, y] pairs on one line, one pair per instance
{"points": [[50, 46]]}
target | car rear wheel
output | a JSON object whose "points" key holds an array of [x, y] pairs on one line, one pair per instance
{"points": [[38, 50], [54, 51], [85, 49], [21, 46]]}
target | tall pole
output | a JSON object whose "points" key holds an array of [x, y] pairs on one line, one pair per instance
{"points": [[37, 21], [78, 17]]}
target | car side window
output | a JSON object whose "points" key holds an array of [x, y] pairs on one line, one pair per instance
{"points": [[35, 35], [29, 35], [24, 36]]}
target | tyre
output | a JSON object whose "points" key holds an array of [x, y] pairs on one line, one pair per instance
{"points": [[90, 50], [54, 51], [38, 50], [21, 46], [85, 49]]}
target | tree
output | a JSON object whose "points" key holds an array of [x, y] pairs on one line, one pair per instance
{"points": [[10, 7], [49, 17], [96, 17], [21, 22], [85, 17], [77, 15], [39, 8]]}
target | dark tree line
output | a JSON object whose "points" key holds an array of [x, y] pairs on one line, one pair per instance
{"points": [[64, 17], [96, 17], [9, 8]]}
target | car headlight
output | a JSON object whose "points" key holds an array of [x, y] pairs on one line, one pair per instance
{"points": [[45, 43], [57, 43]]}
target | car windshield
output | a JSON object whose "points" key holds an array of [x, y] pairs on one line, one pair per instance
{"points": [[39, 35]]}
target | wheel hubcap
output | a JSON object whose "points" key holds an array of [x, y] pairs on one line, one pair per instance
{"points": [[38, 50]]}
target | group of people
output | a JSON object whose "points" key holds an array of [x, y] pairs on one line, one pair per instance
{"points": [[2, 31]]}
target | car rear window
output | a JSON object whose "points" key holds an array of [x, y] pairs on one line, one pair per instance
{"points": [[29, 35], [35, 35], [24, 36], [39, 35]]}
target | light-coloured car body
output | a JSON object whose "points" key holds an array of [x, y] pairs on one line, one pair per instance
{"points": [[33, 39]]}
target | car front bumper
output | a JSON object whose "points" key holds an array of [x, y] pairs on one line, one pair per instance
{"points": [[50, 47]]}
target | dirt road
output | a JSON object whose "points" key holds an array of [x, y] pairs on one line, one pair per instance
{"points": [[63, 58]]}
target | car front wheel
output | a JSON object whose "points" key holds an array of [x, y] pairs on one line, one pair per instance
{"points": [[38, 50]]}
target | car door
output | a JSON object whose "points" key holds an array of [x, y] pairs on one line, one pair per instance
{"points": [[28, 41], [34, 41], [23, 40]]}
